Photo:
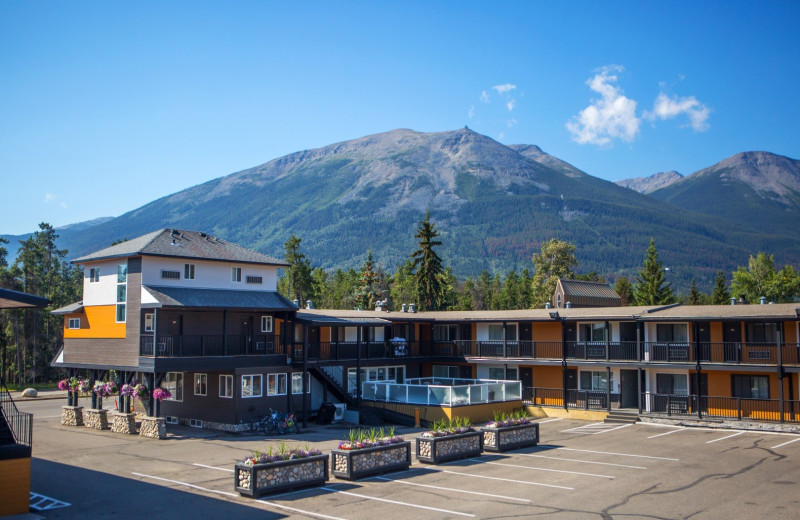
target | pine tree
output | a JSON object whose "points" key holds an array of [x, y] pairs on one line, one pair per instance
{"points": [[695, 298], [525, 290], [624, 288], [760, 279], [403, 288], [296, 280], [720, 295], [555, 261], [367, 294], [650, 287], [427, 265]]}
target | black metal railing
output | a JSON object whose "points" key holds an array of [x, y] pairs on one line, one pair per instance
{"points": [[577, 399], [20, 424], [740, 353], [209, 345], [737, 408]]}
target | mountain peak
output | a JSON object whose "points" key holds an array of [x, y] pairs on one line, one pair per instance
{"points": [[652, 183], [772, 176]]}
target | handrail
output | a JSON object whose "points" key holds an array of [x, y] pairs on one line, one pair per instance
{"points": [[19, 423]]}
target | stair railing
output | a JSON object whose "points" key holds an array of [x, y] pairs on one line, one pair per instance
{"points": [[20, 423]]}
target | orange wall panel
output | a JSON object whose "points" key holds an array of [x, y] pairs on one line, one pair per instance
{"points": [[97, 322], [546, 331], [716, 332], [547, 377], [15, 481]]}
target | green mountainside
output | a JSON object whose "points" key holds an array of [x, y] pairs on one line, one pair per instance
{"points": [[494, 205]]}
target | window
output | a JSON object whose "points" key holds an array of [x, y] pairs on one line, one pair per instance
{"points": [[396, 374], [452, 372], [200, 384], [94, 274], [593, 332], [595, 381], [120, 313], [675, 384], [762, 333], [236, 274], [445, 332], [501, 373], [496, 332], [173, 382], [750, 387], [276, 384], [558, 300], [251, 386], [122, 291], [149, 322], [226, 386], [170, 275], [297, 382], [122, 273], [74, 323], [188, 271], [254, 279], [672, 333], [266, 323]]}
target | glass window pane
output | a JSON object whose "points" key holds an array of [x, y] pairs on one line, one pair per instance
{"points": [[495, 333], [122, 273], [120, 312], [122, 291]]}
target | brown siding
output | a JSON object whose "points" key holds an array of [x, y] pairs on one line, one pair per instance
{"points": [[716, 332], [15, 481], [547, 377], [546, 331]]}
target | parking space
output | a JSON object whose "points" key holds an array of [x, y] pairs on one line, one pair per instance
{"points": [[580, 470]]}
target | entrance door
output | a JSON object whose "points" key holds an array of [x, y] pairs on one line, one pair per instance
{"points": [[702, 388], [570, 338], [628, 389], [247, 335], [572, 385], [732, 337], [526, 376], [704, 340]]}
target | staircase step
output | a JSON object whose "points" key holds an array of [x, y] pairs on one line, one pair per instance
{"points": [[620, 417]]}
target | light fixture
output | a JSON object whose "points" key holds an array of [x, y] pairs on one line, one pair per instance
{"points": [[555, 316]]}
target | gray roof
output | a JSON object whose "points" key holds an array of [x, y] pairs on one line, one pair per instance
{"points": [[588, 289], [326, 320], [182, 244], [219, 299], [72, 308], [15, 299]]}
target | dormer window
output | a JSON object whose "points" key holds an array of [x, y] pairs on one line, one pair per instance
{"points": [[558, 300], [236, 274]]}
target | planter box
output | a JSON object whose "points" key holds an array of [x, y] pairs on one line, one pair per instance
{"points": [[123, 423], [153, 428], [261, 479], [96, 418], [72, 415], [441, 449], [354, 464], [510, 437]]}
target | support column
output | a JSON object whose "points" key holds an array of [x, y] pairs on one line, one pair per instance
{"points": [[778, 338], [358, 368], [305, 368], [608, 389], [639, 388], [564, 363], [151, 403], [698, 368], [92, 376], [224, 332], [505, 342]]}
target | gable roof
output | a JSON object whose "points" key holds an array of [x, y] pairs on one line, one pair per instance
{"points": [[584, 293], [182, 244], [10, 299]]}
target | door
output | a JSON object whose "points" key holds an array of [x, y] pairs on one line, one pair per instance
{"points": [[704, 340], [732, 337], [627, 341], [526, 377], [570, 338], [169, 344], [572, 385], [247, 335], [629, 389]]}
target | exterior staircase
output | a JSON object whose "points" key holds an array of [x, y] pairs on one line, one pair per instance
{"points": [[622, 417], [15, 456]]}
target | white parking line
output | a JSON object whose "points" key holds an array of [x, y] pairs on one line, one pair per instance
{"points": [[452, 489], [506, 480], [540, 422], [309, 513], [229, 470], [726, 437], [785, 443], [541, 469], [582, 461], [367, 497], [667, 433], [595, 428], [612, 429], [617, 454]]}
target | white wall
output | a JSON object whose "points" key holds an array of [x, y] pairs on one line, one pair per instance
{"points": [[482, 330], [208, 274], [103, 292]]}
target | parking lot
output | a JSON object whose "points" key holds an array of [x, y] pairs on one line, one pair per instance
{"points": [[580, 470]]}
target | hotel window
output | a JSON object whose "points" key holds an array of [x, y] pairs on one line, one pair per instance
{"points": [[236, 274], [297, 382], [226, 386], [762, 333], [173, 382], [122, 273], [593, 332], [595, 381], [149, 322], [672, 333], [94, 274], [452, 372], [501, 373], [266, 323], [74, 323], [445, 332], [188, 271], [122, 291], [750, 387], [276, 384], [251, 386], [674, 384], [496, 332], [200, 384]]}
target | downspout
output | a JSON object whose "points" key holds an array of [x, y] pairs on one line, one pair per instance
{"points": [[778, 336], [699, 370]]}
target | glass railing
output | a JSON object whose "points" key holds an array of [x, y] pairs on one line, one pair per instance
{"points": [[416, 391]]}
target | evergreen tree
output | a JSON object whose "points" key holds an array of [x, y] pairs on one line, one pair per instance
{"points": [[720, 295], [695, 298], [343, 289], [555, 261], [367, 294], [624, 288], [403, 288], [650, 287], [465, 296], [525, 289], [482, 301], [427, 265], [321, 292], [296, 280], [510, 296]]}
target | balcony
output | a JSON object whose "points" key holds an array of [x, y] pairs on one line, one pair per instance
{"points": [[208, 345], [727, 353]]}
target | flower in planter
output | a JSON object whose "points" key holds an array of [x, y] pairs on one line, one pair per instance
{"points": [[283, 452], [100, 389], [83, 387], [159, 394], [362, 438], [127, 390], [447, 427], [141, 392], [111, 388], [64, 385], [502, 419]]}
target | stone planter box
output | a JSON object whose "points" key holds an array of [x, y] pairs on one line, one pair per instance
{"points": [[354, 464], [153, 428], [510, 437], [261, 479], [72, 415], [441, 449], [96, 418], [123, 423]]}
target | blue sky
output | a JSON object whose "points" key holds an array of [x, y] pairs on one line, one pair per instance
{"points": [[105, 106]]}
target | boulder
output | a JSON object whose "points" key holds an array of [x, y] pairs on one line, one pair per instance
{"points": [[30, 392]]}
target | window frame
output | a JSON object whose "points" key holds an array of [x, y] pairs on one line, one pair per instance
{"points": [[226, 388], [94, 274], [252, 386], [236, 275], [596, 378], [277, 377], [173, 382], [267, 320], [308, 382], [151, 318], [203, 383], [749, 386], [70, 323], [189, 271]]}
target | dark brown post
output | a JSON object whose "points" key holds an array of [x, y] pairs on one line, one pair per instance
{"points": [[778, 336], [305, 368]]}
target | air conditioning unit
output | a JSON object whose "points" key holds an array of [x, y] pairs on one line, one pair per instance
{"points": [[340, 409]]}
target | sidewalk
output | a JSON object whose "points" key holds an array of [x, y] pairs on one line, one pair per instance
{"points": [[42, 395]]}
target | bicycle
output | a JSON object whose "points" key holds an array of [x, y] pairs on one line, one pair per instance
{"points": [[278, 422]]}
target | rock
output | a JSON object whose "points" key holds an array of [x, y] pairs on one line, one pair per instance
{"points": [[30, 392]]}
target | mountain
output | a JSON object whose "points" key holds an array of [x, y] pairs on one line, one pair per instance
{"points": [[652, 183], [64, 233], [757, 189], [81, 226], [493, 204]]}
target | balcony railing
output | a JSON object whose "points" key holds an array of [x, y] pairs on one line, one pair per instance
{"points": [[209, 345], [729, 352], [738, 408], [576, 399]]}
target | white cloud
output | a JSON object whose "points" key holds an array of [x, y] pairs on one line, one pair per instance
{"points": [[63, 205], [511, 122], [471, 112], [510, 105], [501, 135], [666, 107], [49, 197], [502, 89], [613, 116], [484, 97]]}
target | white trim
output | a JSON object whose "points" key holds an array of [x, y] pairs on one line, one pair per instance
{"points": [[190, 269], [252, 378], [277, 378], [266, 323], [174, 389], [203, 377], [227, 377], [70, 323], [151, 318], [236, 274]]}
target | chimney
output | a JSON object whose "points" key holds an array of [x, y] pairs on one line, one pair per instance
{"points": [[763, 300], [412, 307], [309, 304], [733, 301], [296, 302], [569, 305], [405, 308], [546, 305]]}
